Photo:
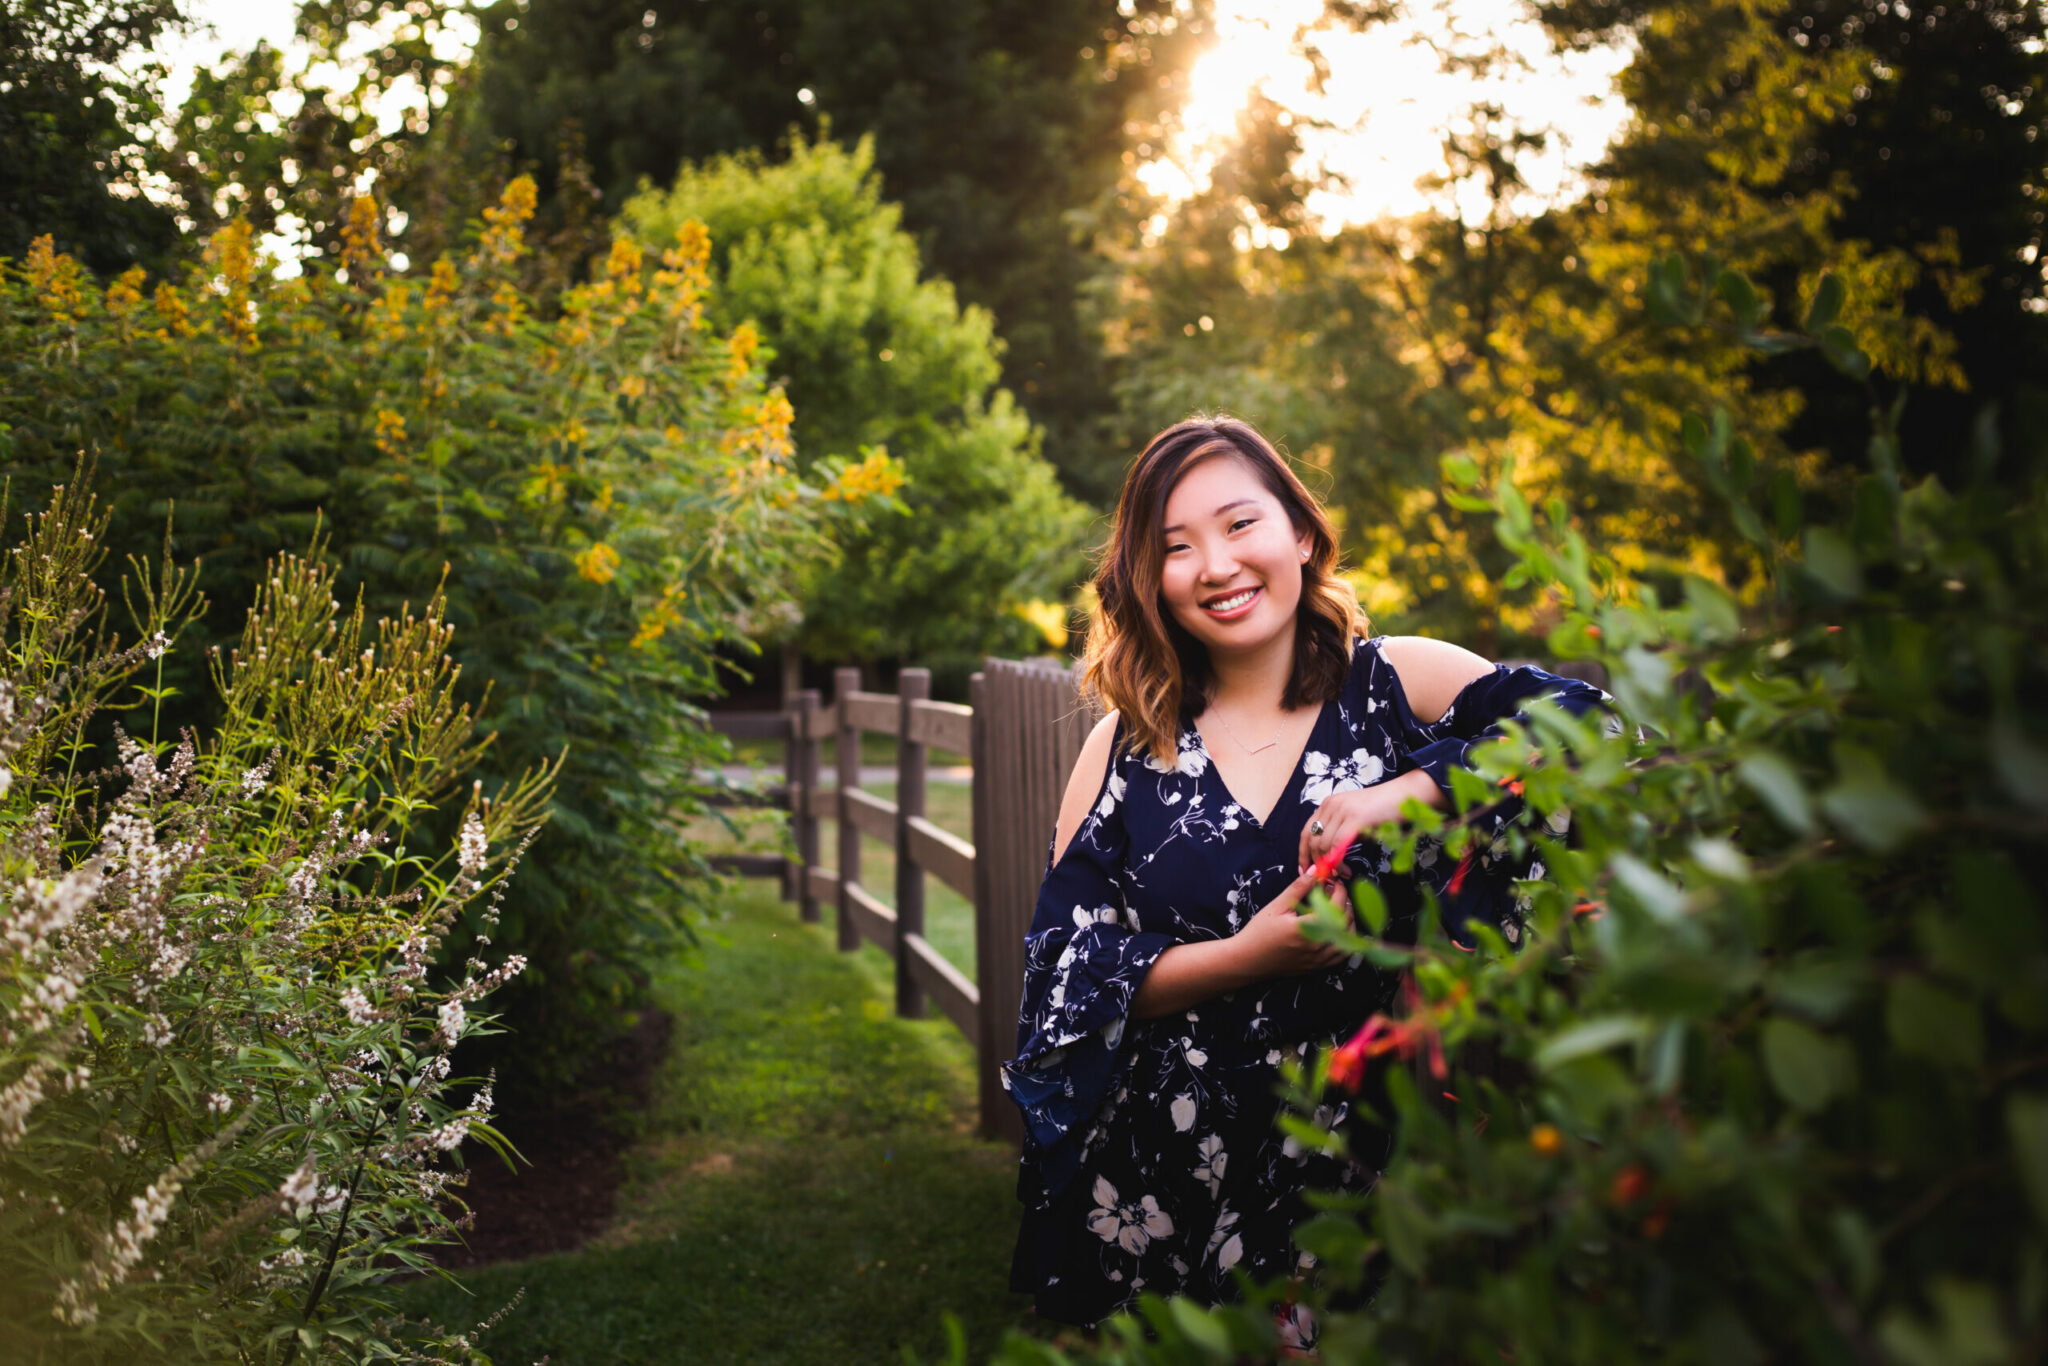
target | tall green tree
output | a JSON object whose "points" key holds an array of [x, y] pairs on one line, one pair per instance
{"points": [[1000, 126], [76, 85], [877, 357]]}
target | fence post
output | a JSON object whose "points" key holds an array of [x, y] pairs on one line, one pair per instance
{"points": [[804, 799], [844, 683], [912, 685], [996, 1034], [792, 870]]}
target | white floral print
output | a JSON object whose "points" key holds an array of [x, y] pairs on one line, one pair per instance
{"points": [[1130, 1227], [1327, 775], [1210, 1170]]}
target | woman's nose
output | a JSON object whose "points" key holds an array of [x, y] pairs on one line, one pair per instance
{"points": [[1218, 565]]}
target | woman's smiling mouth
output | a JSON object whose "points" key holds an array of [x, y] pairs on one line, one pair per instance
{"points": [[1234, 605]]}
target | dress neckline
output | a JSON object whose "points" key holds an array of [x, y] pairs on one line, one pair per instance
{"points": [[1294, 776]]}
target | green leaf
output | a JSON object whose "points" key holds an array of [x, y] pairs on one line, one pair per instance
{"points": [[1828, 297], [1867, 804], [1200, 1326], [1774, 780], [2026, 1123], [1654, 892], [1806, 1067], [2020, 765], [1462, 470], [1590, 1036], [1370, 905], [1927, 1021], [1741, 297], [1831, 562]]}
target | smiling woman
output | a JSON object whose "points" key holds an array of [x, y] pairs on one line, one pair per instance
{"points": [[1167, 975]]}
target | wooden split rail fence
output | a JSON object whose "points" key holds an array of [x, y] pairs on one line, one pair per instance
{"points": [[1021, 730]]}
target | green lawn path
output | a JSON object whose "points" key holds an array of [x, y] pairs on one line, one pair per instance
{"points": [[808, 1189]]}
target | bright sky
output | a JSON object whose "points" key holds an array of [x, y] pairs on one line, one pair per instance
{"points": [[1389, 100]]}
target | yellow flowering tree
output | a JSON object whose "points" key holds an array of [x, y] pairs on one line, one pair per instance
{"points": [[608, 497]]}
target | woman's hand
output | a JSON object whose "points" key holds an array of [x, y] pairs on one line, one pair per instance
{"points": [[1344, 815], [1272, 942]]}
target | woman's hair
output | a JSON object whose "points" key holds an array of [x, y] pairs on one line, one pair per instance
{"points": [[1145, 664]]}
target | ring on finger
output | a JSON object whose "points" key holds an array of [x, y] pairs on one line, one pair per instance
{"points": [[1315, 827]]}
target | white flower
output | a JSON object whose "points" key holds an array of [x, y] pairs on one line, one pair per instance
{"points": [[1130, 1227], [1183, 1111], [218, 1103], [360, 1011], [1214, 1159], [255, 779], [1195, 1056], [453, 1018], [6, 780], [158, 643], [302, 1187], [1101, 915], [1112, 793], [474, 849]]}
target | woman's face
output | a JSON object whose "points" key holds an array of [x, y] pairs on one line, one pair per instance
{"points": [[1232, 570]]}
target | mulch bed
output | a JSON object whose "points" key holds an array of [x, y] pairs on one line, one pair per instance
{"points": [[562, 1192]]}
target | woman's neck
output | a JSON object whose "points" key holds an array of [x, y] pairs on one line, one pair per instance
{"points": [[1254, 680]]}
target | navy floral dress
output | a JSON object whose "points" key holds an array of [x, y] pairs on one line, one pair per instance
{"points": [[1151, 1158]]}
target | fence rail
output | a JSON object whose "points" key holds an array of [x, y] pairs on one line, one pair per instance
{"points": [[1021, 730]]}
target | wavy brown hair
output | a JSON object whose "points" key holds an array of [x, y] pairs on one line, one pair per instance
{"points": [[1141, 661]]}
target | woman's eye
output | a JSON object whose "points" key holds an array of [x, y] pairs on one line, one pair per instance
{"points": [[1242, 522], [1172, 548]]}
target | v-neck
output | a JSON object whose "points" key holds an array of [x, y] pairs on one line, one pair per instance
{"points": [[1293, 777]]}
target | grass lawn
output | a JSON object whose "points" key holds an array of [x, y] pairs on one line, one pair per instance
{"points": [[808, 1189]]}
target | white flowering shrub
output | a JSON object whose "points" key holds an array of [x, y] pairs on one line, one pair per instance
{"points": [[228, 1112]]}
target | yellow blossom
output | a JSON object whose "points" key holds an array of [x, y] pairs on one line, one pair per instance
{"points": [[59, 281], [511, 310], [632, 386], [171, 308], [387, 319], [877, 476], [390, 433], [124, 296], [232, 251], [442, 282], [361, 249], [547, 484], [624, 265], [603, 501], [661, 618], [741, 346], [572, 433], [1050, 619], [504, 237], [598, 564]]}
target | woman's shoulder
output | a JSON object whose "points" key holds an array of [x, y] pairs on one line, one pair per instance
{"points": [[1426, 675]]}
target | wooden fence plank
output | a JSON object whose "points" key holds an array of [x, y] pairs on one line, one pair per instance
{"points": [[954, 995], [875, 711], [871, 815], [761, 798], [947, 725], [750, 865], [874, 921], [750, 725], [823, 885], [943, 854]]}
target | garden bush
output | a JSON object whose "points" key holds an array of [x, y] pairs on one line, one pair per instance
{"points": [[227, 1105], [607, 498], [1763, 1075]]}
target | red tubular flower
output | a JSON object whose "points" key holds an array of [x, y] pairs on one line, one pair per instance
{"points": [[1630, 1183], [1326, 867], [1458, 875]]}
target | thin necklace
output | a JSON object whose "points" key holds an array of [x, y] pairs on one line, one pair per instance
{"points": [[1232, 732]]}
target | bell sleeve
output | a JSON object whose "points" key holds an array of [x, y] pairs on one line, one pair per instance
{"points": [[1084, 960], [1478, 714]]}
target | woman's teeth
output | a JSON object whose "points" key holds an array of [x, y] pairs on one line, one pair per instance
{"points": [[1231, 603]]}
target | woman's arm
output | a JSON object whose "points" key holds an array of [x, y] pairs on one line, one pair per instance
{"points": [[1269, 945]]}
